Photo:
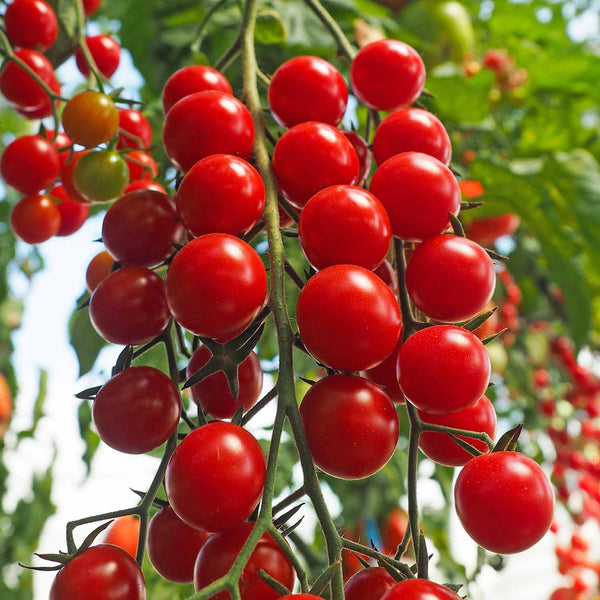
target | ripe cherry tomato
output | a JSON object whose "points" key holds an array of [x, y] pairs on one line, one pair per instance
{"points": [[471, 189], [129, 306], [31, 24], [35, 219], [343, 224], [207, 123], [61, 141], [486, 230], [98, 571], [124, 532], [173, 545], [140, 228], [220, 551], [66, 178], [504, 501], [72, 214], [91, 6], [220, 194], [301, 597], [387, 75], [388, 275], [136, 131], [411, 129], [101, 175], [351, 426], [498, 61], [6, 405], [201, 280], [106, 53], [98, 270], [348, 318], [443, 369], [369, 584], [45, 110], [310, 157], [307, 88], [418, 192], [394, 529], [215, 477], [362, 151], [420, 589], [144, 184], [141, 165], [191, 80], [90, 118], [384, 374]]}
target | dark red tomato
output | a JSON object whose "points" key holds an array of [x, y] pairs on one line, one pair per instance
{"points": [[420, 589], [216, 476], [307, 88], [486, 230], [220, 194], [97, 572], [140, 228], [90, 119], [45, 110], [201, 280], [301, 597], [418, 192], [29, 164], [136, 131], [98, 270], [91, 6], [387, 75], [384, 374], [207, 123], [443, 369], [310, 157], [35, 219], [141, 165], [369, 584], [343, 224], [124, 532], [173, 546], [66, 178], [31, 24], [394, 529], [100, 176], [59, 142], [220, 551], [72, 214], [348, 318], [129, 306], [388, 275], [191, 80], [362, 151], [106, 53], [351, 426], [504, 501], [411, 129], [144, 184], [213, 393], [441, 448], [450, 278]]}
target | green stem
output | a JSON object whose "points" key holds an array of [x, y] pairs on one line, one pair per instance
{"points": [[85, 51], [334, 29], [195, 47], [477, 435], [413, 465]]}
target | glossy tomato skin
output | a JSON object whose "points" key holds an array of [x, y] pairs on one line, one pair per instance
{"points": [[450, 278], [66, 178], [504, 501], [141, 165], [129, 306], [387, 75], [441, 448], [98, 571], [301, 597], [140, 229], [31, 24], [411, 129], [91, 6], [72, 214], [486, 230], [98, 270], [307, 88], [443, 369], [60, 141], [351, 426], [384, 374], [90, 118], [388, 275], [362, 152], [419, 589], [216, 285], [418, 192], [101, 175], [45, 110], [207, 123], [220, 194], [369, 584], [124, 532], [35, 219], [106, 53], [215, 477], [310, 157], [220, 551], [144, 184], [343, 224], [394, 529], [134, 123], [348, 318]]}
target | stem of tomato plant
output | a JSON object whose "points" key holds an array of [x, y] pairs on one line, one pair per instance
{"points": [[334, 29], [85, 51]]}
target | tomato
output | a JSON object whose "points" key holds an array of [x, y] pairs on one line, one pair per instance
{"points": [[387, 75], [471, 189], [565, 594], [362, 152], [419, 589], [29, 164], [191, 80], [343, 224], [90, 118], [388, 275], [220, 194], [140, 228], [124, 532], [72, 214], [443, 369], [369, 584], [418, 192], [201, 280], [91, 6], [129, 306], [141, 165], [97, 572], [106, 53], [307, 88], [310, 157], [504, 501], [61, 141], [301, 597], [66, 178], [136, 131], [98, 270], [35, 219], [207, 123], [351, 426], [348, 318], [215, 477], [384, 374], [45, 110], [498, 61], [101, 175], [393, 530], [486, 230], [144, 184], [6, 405], [220, 551], [31, 24], [411, 129]]}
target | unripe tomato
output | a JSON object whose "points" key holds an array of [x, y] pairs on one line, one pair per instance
{"points": [[72, 214], [384, 374], [66, 178], [419, 589], [98, 270], [136, 131], [141, 165], [35, 219], [486, 230], [101, 175], [6, 405], [362, 152], [144, 184], [59, 142], [369, 584], [91, 6], [90, 118], [124, 532], [106, 53], [31, 24]]}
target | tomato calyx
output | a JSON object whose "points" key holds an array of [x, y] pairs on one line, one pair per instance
{"points": [[508, 441]]}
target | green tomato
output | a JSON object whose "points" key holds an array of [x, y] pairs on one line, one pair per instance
{"points": [[101, 176], [498, 357], [455, 30], [536, 343]]}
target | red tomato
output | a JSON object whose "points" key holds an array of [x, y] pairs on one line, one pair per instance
{"points": [[136, 131], [343, 224], [207, 123], [504, 501], [215, 477], [301, 597], [144, 184], [66, 178], [348, 318], [369, 584], [31, 24], [45, 110], [90, 118], [498, 61], [388, 275], [307, 88], [393, 530], [106, 53], [61, 141], [310, 157], [98, 270], [486, 230], [443, 369], [384, 374], [201, 279], [91, 6], [220, 194], [420, 589], [35, 219], [124, 532], [565, 594], [471, 189], [387, 75], [72, 214], [141, 165], [6, 405], [418, 192], [362, 151]]}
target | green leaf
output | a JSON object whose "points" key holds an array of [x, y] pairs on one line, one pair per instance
{"points": [[89, 437], [270, 28], [38, 407], [68, 31]]}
